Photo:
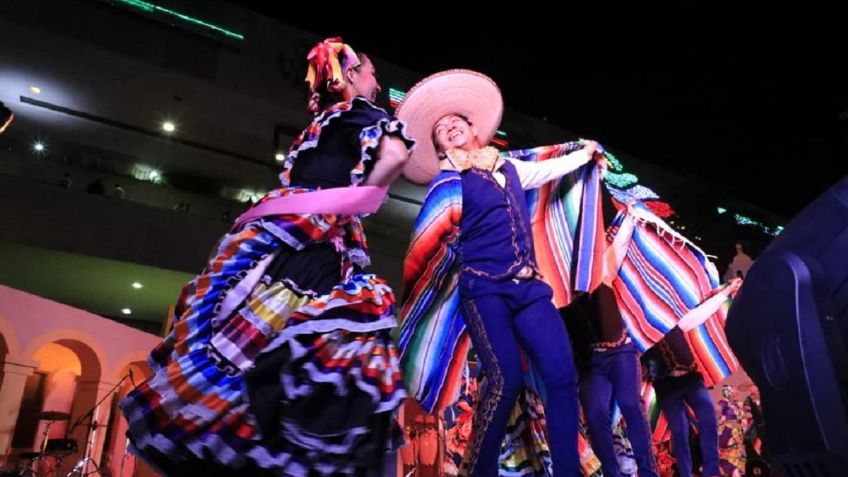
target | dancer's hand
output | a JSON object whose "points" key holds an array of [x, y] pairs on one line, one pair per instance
{"points": [[590, 148]]}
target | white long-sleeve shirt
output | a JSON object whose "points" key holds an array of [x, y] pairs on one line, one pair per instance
{"points": [[534, 174]]}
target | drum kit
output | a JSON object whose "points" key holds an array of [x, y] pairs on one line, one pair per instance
{"points": [[55, 448], [60, 448], [422, 436]]}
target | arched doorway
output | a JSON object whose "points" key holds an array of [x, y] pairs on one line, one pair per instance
{"points": [[57, 410]]}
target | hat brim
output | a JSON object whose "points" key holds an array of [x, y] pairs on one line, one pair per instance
{"points": [[464, 92]]}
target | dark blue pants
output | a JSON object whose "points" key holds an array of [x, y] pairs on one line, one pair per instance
{"points": [[673, 394], [503, 319], [616, 374]]}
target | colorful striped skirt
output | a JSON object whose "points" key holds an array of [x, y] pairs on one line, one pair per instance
{"points": [[280, 362]]}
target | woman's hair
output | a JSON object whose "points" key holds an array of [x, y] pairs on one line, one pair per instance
{"points": [[325, 96], [329, 60]]}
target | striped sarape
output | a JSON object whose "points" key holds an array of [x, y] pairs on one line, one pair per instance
{"points": [[567, 224], [195, 406], [433, 341], [663, 277], [709, 346]]}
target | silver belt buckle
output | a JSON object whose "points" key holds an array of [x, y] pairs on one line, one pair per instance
{"points": [[525, 272]]}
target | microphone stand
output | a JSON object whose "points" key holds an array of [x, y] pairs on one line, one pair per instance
{"points": [[81, 467]]}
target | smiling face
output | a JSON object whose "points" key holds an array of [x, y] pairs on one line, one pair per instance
{"points": [[454, 132]]}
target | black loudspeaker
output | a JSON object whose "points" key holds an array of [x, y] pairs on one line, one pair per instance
{"points": [[6, 117], [789, 328]]}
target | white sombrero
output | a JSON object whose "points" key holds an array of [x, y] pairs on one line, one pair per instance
{"points": [[464, 92]]}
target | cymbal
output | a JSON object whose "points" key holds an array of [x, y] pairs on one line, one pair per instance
{"points": [[52, 416]]}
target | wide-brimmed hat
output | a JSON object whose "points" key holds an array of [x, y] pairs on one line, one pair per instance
{"points": [[464, 92]]}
